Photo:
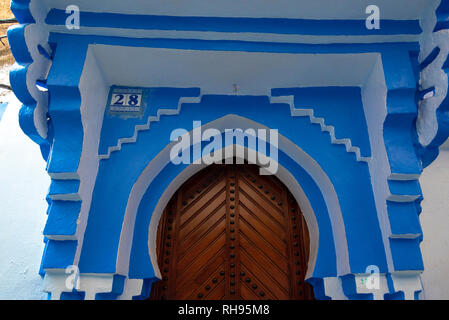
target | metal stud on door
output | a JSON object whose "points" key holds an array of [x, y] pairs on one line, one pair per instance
{"points": [[229, 233]]}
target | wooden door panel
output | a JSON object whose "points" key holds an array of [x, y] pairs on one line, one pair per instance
{"points": [[215, 238], [259, 202], [251, 226], [197, 205], [192, 233], [247, 293], [203, 182], [216, 293], [262, 275], [210, 275], [262, 290], [187, 271], [229, 233], [265, 256], [249, 207]]}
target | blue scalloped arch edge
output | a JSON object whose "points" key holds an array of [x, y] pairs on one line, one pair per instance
{"points": [[21, 10], [18, 74], [430, 152]]}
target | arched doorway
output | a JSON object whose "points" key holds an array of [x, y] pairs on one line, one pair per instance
{"points": [[230, 233]]}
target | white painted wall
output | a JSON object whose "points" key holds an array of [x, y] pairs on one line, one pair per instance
{"points": [[23, 187], [435, 225]]}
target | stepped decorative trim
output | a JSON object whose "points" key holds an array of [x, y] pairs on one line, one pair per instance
{"points": [[277, 99], [409, 284], [433, 121], [295, 112], [85, 286], [403, 198], [390, 286], [29, 44], [144, 127], [30, 48]]}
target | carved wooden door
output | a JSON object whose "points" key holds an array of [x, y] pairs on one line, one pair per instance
{"points": [[229, 233]]}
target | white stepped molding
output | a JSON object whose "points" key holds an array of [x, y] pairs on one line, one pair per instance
{"points": [[324, 127], [142, 127], [378, 291], [279, 99], [65, 197], [133, 288], [407, 282], [402, 198], [93, 284], [333, 288], [57, 282]]}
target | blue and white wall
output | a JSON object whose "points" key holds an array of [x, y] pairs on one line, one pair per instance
{"points": [[354, 93], [21, 256]]}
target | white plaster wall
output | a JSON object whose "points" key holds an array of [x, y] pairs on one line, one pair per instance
{"points": [[23, 187], [435, 225]]}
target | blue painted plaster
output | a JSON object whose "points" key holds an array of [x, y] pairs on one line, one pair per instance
{"points": [[74, 295], [442, 14], [62, 217], [59, 254], [430, 58], [234, 45], [405, 187], [118, 284], [350, 289], [430, 152], [21, 11], [58, 187], [403, 218], [44, 253], [18, 73], [319, 289], [115, 126], [18, 80], [64, 108], [407, 254], [341, 107], [146, 289], [395, 295], [65, 135], [219, 24], [400, 142], [362, 227], [140, 263]]}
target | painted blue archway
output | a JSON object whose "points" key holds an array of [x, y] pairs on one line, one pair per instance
{"points": [[106, 234], [59, 125], [143, 266], [169, 175]]}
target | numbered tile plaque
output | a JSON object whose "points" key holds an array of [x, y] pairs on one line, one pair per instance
{"points": [[126, 101]]}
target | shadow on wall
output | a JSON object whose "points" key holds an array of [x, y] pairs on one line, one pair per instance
{"points": [[435, 221], [23, 187]]}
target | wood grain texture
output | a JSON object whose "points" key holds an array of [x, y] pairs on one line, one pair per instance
{"points": [[229, 233]]}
